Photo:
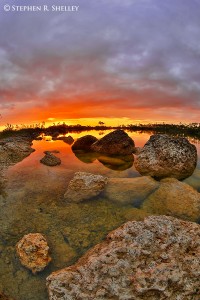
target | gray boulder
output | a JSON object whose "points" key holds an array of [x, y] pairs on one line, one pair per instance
{"points": [[115, 143], [84, 186], [163, 156], [154, 259]]}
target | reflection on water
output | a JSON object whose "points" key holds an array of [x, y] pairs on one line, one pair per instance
{"points": [[117, 163], [31, 200]]}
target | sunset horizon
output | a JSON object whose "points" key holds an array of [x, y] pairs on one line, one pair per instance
{"points": [[118, 62], [90, 122]]}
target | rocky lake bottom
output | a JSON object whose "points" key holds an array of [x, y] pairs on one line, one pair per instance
{"points": [[31, 200]]}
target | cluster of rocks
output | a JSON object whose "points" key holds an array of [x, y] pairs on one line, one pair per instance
{"points": [[168, 196], [114, 150], [115, 143], [162, 156], [154, 259]]}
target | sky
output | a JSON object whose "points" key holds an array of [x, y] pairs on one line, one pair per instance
{"points": [[116, 61]]}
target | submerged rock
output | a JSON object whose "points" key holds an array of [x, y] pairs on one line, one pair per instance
{"points": [[87, 157], [14, 149], [164, 156], [33, 252], [84, 186], [154, 259], [113, 162], [50, 160], [117, 143], [130, 190], [174, 198], [84, 143], [118, 163]]}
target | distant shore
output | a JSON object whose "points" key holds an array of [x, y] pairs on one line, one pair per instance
{"points": [[191, 130]]}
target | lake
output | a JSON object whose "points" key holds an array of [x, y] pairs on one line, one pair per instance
{"points": [[32, 201]]}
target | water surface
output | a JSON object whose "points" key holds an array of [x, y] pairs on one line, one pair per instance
{"points": [[32, 201]]}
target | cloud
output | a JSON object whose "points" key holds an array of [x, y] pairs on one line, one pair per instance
{"points": [[131, 57]]}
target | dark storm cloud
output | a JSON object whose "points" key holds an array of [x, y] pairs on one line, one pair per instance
{"points": [[142, 53]]}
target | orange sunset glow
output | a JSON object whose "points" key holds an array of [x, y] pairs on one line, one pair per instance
{"points": [[118, 63]]}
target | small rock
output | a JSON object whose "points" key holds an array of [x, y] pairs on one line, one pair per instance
{"points": [[50, 160], [117, 143], [84, 186], [84, 143], [164, 156], [33, 252]]}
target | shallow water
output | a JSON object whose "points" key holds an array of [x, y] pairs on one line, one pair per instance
{"points": [[32, 201]]}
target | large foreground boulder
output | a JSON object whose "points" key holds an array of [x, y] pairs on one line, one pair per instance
{"points": [[84, 143], [174, 198], [84, 186], [33, 252], [164, 156], [115, 143], [154, 259]]}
